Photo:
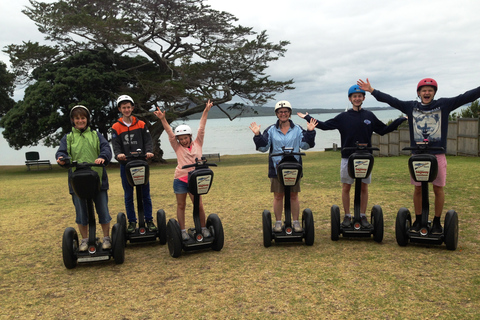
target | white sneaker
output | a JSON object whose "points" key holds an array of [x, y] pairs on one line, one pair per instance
{"points": [[185, 235], [107, 244], [83, 245], [206, 233], [297, 227], [278, 226]]}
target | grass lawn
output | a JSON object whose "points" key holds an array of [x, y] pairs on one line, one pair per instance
{"points": [[346, 279]]}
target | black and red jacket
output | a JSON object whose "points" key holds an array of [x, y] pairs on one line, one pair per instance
{"points": [[127, 139]]}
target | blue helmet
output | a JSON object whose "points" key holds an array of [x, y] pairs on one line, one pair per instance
{"points": [[355, 88]]}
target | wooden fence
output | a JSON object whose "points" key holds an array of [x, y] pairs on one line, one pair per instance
{"points": [[463, 139]]}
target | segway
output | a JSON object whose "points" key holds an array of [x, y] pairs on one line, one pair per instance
{"points": [[289, 172], [86, 183], [360, 165], [199, 183], [138, 173], [423, 168]]}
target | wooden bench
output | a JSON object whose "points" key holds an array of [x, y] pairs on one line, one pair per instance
{"points": [[212, 155], [33, 159]]}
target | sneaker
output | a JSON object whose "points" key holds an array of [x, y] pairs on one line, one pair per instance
{"points": [[131, 227], [83, 245], [151, 226], [107, 244], [206, 233], [185, 235], [416, 226], [436, 227], [297, 227], [347, 221], [278, 226], [364, 222]]}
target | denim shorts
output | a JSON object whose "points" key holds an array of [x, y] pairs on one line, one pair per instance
{"points": [[101, 207], [180, 187]]}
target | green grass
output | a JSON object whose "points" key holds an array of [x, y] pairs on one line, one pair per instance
{"points": [[349, 278]]}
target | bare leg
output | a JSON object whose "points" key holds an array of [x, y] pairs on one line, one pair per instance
{"points": [[83, 231], [106, 229], [439, 200], [181, 204], [295, 205], [364, 198], [346, 197], [278, 205]]}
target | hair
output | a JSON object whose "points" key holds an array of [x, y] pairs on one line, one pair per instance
{"points": [[79, 112]]}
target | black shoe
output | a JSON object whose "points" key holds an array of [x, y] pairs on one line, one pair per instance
{"points": [[151, 226], [364, 222], [347, 221], [416, 226], [436, 227]]}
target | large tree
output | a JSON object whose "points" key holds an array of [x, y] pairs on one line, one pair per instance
{"points": [[192, 53], [6, 89]]}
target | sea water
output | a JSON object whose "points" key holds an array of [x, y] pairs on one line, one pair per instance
{"points": [[221, 136]]}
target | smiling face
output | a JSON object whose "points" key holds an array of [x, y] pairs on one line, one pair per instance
{"points": [[356, 99], [126, 108], [185, 140], [426, 94], [80, 122], [283, 114]]}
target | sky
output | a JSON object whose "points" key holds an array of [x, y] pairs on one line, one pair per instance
{"points": [[334, 43]]}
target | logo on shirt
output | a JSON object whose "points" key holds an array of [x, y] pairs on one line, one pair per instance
{"points": [[367, 122], [129, 139]]}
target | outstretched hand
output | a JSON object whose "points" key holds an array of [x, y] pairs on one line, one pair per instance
{"points": [[366, 86], [312, 124], [255, 128], [301, 115], [160, 115], [208, 105]]}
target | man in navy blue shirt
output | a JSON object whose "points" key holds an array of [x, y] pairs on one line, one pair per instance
{"points": [[355, 125]]}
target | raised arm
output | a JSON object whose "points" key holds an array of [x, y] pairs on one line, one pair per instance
{"points": [[366, 86], [203, 119]]}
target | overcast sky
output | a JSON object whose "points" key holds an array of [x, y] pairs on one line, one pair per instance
{"points": [[334, 43]]}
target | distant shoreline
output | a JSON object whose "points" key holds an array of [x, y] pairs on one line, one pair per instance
{"points": [[215, 113]]}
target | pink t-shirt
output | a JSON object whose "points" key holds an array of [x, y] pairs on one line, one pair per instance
{"points": [[186, 155]]}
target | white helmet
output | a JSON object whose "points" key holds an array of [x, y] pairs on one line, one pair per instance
{"points": [[283, 104], [123, 98], [183, 129]]}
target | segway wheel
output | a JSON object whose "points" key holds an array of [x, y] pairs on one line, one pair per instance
{"points": [[267, 228], [377, 222], [450, 230], [213, 221], [162, 226], [122, 220], [70, 247], [335, 222], [307, 222], [402, 225], [118, 243], [174, 238]]}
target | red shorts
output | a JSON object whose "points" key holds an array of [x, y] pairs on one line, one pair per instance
{"points": [[441, 179]]}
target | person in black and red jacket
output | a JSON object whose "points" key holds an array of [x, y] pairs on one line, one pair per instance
{"points": [[128, 135]]}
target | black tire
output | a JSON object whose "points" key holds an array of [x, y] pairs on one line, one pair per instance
{"points": [[162, 226], [335, 222], [308, 226], [174, 238], [377, 222], [70, 247], [450, 231], [267, 228], [122, 220], [402, 225], [213, 221], [118, 243]]}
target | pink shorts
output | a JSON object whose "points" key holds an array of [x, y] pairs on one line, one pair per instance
{"points": [[441, 179]]}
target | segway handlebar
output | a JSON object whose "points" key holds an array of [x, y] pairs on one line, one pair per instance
{"points": [[137, 155], [287, 152], [361, 147], [424, 147], [202, 162], [76, 164]]}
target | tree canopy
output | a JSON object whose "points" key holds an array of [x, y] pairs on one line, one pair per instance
{"points": [[176, 54], [6, 89]]}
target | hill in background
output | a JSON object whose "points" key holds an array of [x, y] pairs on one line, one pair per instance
{"points": [[215, 112]]}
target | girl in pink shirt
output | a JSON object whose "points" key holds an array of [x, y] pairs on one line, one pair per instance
{"points": [[187, 151]]}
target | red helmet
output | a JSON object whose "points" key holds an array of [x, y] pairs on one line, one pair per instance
{"points": [[427, 82]]}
